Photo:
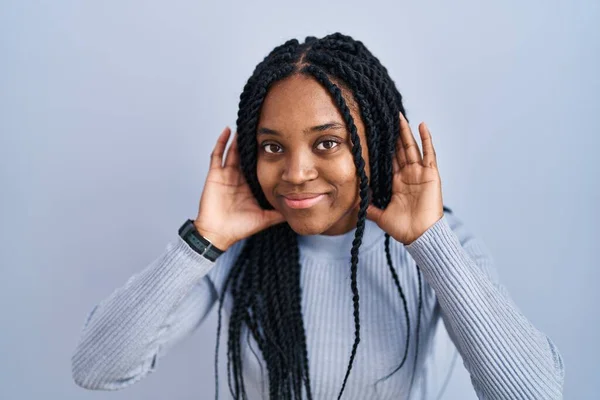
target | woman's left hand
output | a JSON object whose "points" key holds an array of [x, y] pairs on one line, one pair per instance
{"points": [[416, 202]]}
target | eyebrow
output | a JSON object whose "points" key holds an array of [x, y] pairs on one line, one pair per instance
{"points": [[318, 128]]}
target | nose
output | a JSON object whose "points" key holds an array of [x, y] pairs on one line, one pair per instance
{"points": [[299, 168]]}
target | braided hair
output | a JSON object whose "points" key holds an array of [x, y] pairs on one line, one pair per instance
{"points": [[264, 281]]}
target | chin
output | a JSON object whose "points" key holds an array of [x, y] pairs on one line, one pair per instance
{"points": [[307, 226]]}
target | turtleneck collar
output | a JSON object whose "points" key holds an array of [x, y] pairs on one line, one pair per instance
{"points": [[338, 246]]}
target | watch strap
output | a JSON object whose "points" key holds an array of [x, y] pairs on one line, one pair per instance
{"points": [[199, 243]]}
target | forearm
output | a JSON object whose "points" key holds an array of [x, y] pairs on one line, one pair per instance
{"points": [[120, 340], [505, 354]]}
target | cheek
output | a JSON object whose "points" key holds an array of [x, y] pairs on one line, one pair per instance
{"points": [[266, 178], [346, 179], [343, 174]]}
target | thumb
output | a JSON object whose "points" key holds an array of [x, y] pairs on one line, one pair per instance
{"points": [[374, 213], [274, 217]]}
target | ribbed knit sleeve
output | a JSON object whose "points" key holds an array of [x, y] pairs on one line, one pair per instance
{"points": [[506, 356], [125, 334]]}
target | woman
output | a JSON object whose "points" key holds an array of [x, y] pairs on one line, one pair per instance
{"points": [[339, 268]]}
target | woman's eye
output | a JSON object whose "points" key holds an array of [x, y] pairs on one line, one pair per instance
{"points": [[328, 144], [271, 146]]}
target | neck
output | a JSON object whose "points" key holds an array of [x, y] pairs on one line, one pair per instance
{"points": [[327, 246]]}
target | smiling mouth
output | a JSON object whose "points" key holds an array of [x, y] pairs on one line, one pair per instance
{"points": [[305, 202]]}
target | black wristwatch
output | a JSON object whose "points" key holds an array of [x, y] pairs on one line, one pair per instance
{"points": [[199, 243]]}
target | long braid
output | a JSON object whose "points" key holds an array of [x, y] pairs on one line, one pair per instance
{"points": [[364, 202], [264, 281], [290, 281], [399, 288], [233, 275], [335, 65], [412, 378], [374, 106]]}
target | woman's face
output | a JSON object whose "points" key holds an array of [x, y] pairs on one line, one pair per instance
{"points": [[304, 151]]}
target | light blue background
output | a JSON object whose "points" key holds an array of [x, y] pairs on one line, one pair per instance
{"points": [[109, 110]]}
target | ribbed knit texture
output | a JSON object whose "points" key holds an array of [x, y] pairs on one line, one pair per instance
{"points": [[464, 308]]}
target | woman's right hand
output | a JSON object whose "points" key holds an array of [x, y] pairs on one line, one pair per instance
{"points": [[228, 211]]}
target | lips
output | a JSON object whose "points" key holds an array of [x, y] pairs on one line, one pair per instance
{"points": [[301, 196], [302, 200]]}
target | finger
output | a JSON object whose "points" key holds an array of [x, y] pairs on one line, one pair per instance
{"points": [[413, 154], [216, 157], [395, 165], [232, 159], [429, 158], [374, 213], [400, 152], [274, 217]]}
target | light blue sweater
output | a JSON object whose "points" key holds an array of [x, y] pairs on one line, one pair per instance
{"points": [[464, 309]]}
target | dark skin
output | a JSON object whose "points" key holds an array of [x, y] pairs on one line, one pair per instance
{"points": [[293, 158]]}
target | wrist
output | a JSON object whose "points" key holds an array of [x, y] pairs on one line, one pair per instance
{"points": [[215, 239], [198, 242]]}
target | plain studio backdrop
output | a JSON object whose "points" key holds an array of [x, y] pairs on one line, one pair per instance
{"points": [[109, 111]]}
